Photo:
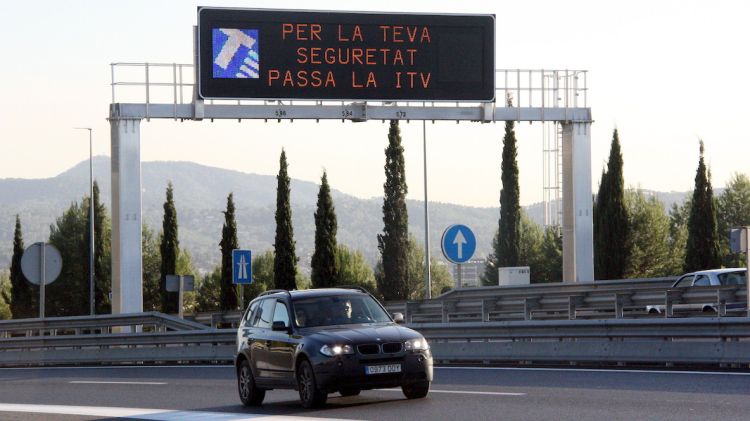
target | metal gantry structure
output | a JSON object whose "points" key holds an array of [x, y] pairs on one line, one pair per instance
{"points": [[167, 91]]}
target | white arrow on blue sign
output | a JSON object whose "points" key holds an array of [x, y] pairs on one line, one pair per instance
{"points": [[458, 243], [242, 268]]}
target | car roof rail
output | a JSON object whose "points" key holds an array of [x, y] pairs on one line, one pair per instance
{"points": [[274, 291], [357, 287]]}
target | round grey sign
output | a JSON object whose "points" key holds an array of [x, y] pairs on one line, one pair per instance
{"points": [[31, 263]]}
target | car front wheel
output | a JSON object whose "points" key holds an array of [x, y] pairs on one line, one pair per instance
{"points": [[250, 395], [416, 390], [309, 394]]}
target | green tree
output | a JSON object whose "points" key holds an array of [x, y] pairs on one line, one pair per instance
{"points": [[506, 244], [678, 217], [185, 267], [302, 281], [228, 244], [490, 276], [102, 253], [262, 268], [611, 228], [550, 263], [5, 295], [324, 264], [208, 291], [393, 243], [733, 211], [69, 294], [23, 297], [702, 250], [530, 239], [151, 262], [648, 238], [354, 270], [170, 249], [285, 257], [441, 279]]}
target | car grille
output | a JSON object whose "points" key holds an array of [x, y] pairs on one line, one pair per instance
{"points": [[368, 349], [386, 348], [392, 347]]}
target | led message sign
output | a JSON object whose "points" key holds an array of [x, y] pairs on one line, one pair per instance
{"points": [[274, 54]]}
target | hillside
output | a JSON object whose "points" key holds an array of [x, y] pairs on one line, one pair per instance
{"points": [[200, 196]]}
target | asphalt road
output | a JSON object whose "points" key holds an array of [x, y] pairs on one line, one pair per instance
{"points": [[456, 394]]}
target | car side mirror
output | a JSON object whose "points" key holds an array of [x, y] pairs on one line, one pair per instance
{"points": [[398, 318], [279, 326]]}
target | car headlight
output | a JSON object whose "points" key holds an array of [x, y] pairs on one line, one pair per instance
{"points": [[418, 344], [333, 350]]}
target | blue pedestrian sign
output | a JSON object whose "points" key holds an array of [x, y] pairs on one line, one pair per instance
{"points": [[458, 243], [242, 268]]}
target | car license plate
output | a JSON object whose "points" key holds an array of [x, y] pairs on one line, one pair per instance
{"points": [[383, 369]]}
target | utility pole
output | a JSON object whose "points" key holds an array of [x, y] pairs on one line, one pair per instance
{"points": [[91, 217], [427, 277]]}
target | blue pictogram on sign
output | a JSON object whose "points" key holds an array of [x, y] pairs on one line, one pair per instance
{"points": [[236, 53], [242, 268], [458, 243]]}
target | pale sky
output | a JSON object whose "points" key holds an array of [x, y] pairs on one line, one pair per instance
{"points": [[665, 73]]}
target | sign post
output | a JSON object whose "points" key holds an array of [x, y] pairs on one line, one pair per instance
{"points": [[739, 241], [180, 284], [41, 264]]}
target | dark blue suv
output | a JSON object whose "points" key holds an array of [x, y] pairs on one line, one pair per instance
{"points": [[322, 341]]}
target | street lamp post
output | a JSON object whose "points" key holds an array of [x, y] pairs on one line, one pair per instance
{"points": [[91, 217]]}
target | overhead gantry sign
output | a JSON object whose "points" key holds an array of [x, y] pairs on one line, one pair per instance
{"points": [[272, 64], [270, 54]]}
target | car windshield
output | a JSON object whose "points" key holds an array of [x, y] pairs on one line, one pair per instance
{"points": [[733, 278], [338, 310]]}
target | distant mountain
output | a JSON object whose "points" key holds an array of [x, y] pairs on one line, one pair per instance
{"points": [[200, 194]]}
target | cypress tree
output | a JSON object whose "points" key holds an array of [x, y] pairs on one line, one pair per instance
{"points": [[394, 242], [611, 226], [169, 248], [24, 301], [702, 250], [325, 271], [508, 246], [228, 297], [285, 257]]}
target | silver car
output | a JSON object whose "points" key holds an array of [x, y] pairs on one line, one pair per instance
{"points": [[713, 277]]}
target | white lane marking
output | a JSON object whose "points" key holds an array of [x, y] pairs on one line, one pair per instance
{"points": [[144, 413], [597, 370], [464, 392], [101, 382]]}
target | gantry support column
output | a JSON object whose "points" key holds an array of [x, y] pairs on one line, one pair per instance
{"points": [[578, 226], [127, 273]]}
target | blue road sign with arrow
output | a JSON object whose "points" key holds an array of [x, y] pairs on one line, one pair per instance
{"points": [[458, 243], [242, 268]]}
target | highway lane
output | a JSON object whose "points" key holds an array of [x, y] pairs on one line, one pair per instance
{"points": [[457, 393]]}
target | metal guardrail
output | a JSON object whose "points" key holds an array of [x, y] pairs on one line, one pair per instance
{"points": [[657, 341], [601, 300], [104, 323], [131, 348]]}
